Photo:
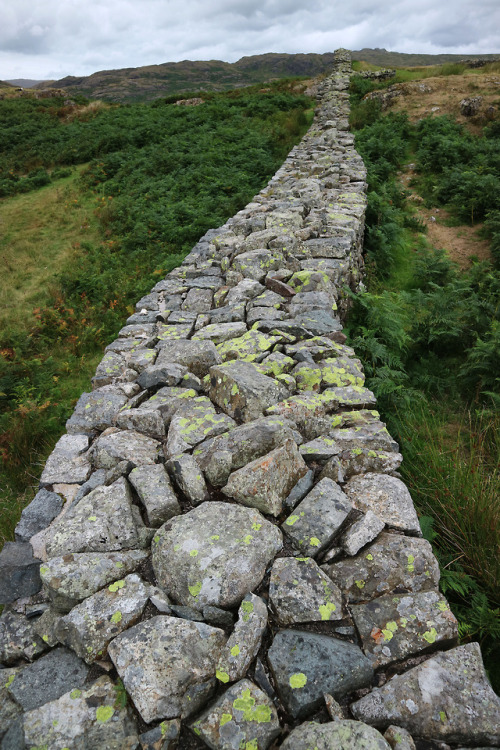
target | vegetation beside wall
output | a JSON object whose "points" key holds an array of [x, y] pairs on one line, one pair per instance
{"points": [[429, 337]]}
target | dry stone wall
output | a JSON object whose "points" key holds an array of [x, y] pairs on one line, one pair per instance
{"points": [[222, 553]]}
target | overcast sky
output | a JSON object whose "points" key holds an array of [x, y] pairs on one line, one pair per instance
{"points": [[45, 39]]}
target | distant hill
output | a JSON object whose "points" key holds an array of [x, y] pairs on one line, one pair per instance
{"points": [[26, 83], [167, 79]]}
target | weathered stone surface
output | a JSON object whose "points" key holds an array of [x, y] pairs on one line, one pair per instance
{"points": [[187, 476], [127, 445], [47, 679], [193, 424], [167, 665], [10, 710], [197, 356], [167, 333], [243, 291], [19, 572], [244, 642], [198, 300], [215, 554], [219, 332], [354, 396], [68, 463], [392, 563], [242, 391], [44, 507], [318, 518], [169, 400], [362, 461], [299, 591], [334, 709], [71, 578], [91, 625], [228, 452], [339, 735], [95, 411], [81, 719], [147, 421], [387, 497], [303, 486], [102, 522], [266, 482], [399, 738], [394, 627], [153, 486], [306, 665], [448, 697], [140, 359], [18, 639], [164, 736], [308, 411], [252, 346], [361, 532], [243, 717]]}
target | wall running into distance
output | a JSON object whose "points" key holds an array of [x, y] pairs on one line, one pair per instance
{"points": [[222, 553]]}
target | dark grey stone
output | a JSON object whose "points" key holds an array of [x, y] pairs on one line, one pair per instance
{"points": [[161, 375], [306, 665], [44, 507], [19, 572]]}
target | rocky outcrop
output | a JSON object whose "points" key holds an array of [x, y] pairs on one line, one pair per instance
{"points": [[221, 553]]}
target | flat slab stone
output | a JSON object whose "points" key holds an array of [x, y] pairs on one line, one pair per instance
{"points": [[168, 400], [243, 717], [242, 391], [317, 518], [307, 665], [265, 482], [167, 665], [252, 346], [153, 486], [48, 678], [219, 332], [197, 356], [71, 578], [68, 463], [446, 698], [125, 445], [44, 507], [309, 412], [354, 396], [81, 718], [361, 532], [394, 627], [387, 497], [337, 735], [95, 411], [147, 421], [299, 591], [392, 563], [19, 572], [91, 625], [214, 555], [101, 522], [244, 642], [193, 424]]}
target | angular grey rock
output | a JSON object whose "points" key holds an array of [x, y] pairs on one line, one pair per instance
{"points": [[334, 709], [167, 665], [373, 435], [244, 291], [123, 445], [243, 717], [110, 367], [102, 522], [392, 563], [140, 359], [219, 332], [147, 421], [299, 591], [256, 264], [354, 396], [306, 665], [161, 375], [10, 710], [198, 300], [68, 463], [244, 642], [253, 346], [318, 518], [448, 697], [193, 424], [214, 555], [399, 738], [318, 322], [197, 356], [19, 572], [394, 627], [228, 314], [387, 497], [361, 461], [163, 737], [153, 486], [186, 474], [361, 532], [95, 411], [308, 411], [242, 391], [91, 625], [44, 507], [187, 613], [95, 480], [18, 639], [167, 333], [303, 486], [48, 678], [70, 579], [339, 735], [220, 618], [169, 400], [82, 719], [266, 482]]}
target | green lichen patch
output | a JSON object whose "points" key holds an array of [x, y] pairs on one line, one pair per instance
{"points": [[298, 680]]}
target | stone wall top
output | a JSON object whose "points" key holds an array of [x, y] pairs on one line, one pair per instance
{"points": [[222, 549]]}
